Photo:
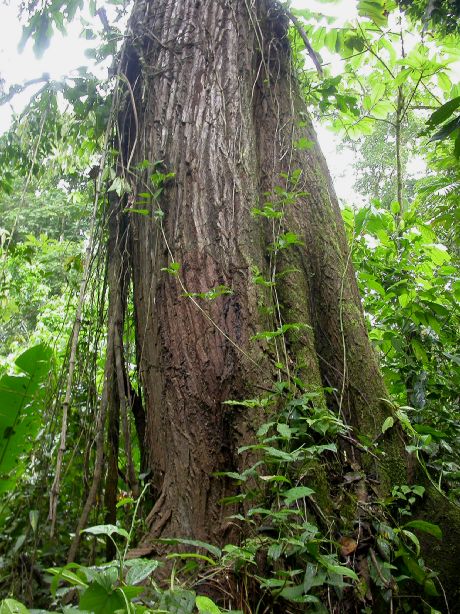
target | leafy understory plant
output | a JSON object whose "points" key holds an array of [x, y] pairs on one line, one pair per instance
{"points": [[22, 398], [306, 548], [122, 586]]}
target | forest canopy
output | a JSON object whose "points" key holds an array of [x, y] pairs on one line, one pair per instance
{"points": [[223, 388]]}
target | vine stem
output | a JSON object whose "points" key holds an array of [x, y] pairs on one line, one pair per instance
{"points": [[55, 489]]}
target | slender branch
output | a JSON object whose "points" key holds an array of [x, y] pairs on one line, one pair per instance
{"points": [[55, 489], [399, 170], [369, 48], [303, 35], [18, 89]]}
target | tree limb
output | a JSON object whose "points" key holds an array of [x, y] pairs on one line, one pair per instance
{"points": [[303, 35]]}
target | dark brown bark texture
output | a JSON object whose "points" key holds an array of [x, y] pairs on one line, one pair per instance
{"points": [[216, 102]]}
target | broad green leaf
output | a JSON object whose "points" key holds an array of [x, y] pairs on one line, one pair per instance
{"points": [[415, 571], [382, 109], [388, 424], [338, 569], [33, 518], [273, 478], [457, 145], [447, 129], [192, 555], [178, 601], [438, 253], [424, 429], [374, 10], [413, 538], [131, 592], [106, 529], [64, 573], [193, 542], [11, 606], [425, 527], [140, 570], [36, 361], [330, 40], [206, 606], [103, 600], [404, 299], [303, 143], [42, 35], [364, 126], [444, 81], [419, 351], [377, 91], [372, 283], [275, 550], [444, 112], [402, 76], [284, 430], [299, 492], [138, 211], [21, 398], [278, 454]]}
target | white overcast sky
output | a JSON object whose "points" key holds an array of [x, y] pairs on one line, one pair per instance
{"points": [[67, 53]]}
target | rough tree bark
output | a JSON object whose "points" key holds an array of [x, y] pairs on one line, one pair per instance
{"points": [[212, 97], [216, 103]]}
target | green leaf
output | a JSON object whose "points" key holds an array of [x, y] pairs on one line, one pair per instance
{"points": [[284, 430], [425, 527], [139, 211], [192, 555], [178, 601], [299, 492], [303, 143], [446, 130], [395, 207], [444, 81], [381, 109], [65, 573], [43, 34], [402, 76], [338, 569], [416, 572], [100, 599], [106, 529], [206, 606], [36, 361], [373, 10], [372, 283], [193, 542], [11, 606], [444, 112], [419, 351], [21, 401], [140, 570], [275, 453], [131, 592], [413, 538], [438, 254], [33, 518], [404, 299], [457, 146], [172, 269], [388, 424], [274, 478]]}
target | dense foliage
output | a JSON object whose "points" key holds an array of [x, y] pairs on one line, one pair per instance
{"points": [[394, 102]]}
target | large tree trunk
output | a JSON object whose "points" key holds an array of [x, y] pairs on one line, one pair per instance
{"points": [[216, 103], [212, 98]]}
